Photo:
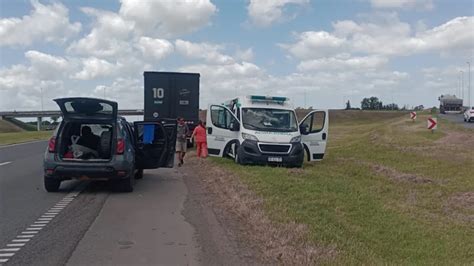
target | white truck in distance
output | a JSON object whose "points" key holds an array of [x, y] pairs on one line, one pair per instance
{"points": [[265, 130]]}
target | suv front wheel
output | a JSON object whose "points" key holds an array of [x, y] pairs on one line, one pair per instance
{"points": [[51, 184]]}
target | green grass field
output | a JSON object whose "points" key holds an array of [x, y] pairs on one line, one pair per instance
{"points": [[25, 136], [388, 191]]}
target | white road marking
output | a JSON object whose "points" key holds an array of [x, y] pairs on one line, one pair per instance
{"points": [[20, 240], [5, 163], [29, 232], [37, 226], [9, 249], [16, 245], [32, 230], [25, 236]]}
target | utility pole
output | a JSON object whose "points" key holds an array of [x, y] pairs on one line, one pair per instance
{"points": [[469, 79], [42, 109], [462, 84]]}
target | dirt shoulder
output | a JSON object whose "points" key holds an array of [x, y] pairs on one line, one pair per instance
{"points": [[237, 228]]}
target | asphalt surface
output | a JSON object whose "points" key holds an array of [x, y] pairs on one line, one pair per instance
{"points": [[457, 118], [165, 221]]}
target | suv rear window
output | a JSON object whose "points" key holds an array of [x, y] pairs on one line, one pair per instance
{"points": [[88, 108]]}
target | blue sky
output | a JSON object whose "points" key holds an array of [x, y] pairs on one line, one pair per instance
{"points": [[408, 51]]}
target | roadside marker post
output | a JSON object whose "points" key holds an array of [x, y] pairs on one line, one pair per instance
{"points": [[432, 124], [413, 116]]}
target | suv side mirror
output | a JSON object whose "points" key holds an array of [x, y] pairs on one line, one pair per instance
{"points": [[234, 126]]}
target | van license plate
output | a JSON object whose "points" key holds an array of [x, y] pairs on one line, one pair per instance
{"points": [[275, 159]]}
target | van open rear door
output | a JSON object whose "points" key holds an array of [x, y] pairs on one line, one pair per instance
{"points": [[314, 134], [155, 143]]}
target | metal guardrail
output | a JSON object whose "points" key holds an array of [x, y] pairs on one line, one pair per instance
{"points": [[124, 112]]}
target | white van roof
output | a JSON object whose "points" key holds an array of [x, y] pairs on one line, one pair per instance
{"points": [[264, 101]]}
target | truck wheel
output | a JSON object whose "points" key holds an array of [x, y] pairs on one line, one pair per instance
{"points": [[139, 174], [51, 184]]}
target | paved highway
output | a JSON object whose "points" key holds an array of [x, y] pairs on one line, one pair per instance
{"points": [[87, 224], [457, 118]]}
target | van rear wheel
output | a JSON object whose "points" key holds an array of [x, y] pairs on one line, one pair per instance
{"points": [[51, 184]]}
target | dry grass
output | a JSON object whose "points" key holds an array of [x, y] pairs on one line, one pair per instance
{"points": [[278, 243]]}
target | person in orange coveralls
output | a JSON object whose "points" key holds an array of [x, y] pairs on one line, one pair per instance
{"points": [[199, 135]]}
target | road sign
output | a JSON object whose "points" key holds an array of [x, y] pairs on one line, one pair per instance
{"points": [[432, 123], [413, 115]]}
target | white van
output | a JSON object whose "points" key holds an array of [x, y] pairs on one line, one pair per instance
{"points": [[265, 130]]}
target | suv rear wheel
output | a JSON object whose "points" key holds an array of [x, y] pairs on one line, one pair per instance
{"points": [[139, 174], [124, 185], [51, 185]]}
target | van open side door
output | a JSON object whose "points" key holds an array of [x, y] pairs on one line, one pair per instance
{"points": [[222, 127], [314, 134], [155, 143]]}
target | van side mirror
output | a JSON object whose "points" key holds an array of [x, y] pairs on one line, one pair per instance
{"points": [[304, 130], [234, 126]]}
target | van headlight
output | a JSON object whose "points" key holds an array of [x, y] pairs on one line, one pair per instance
{"points": [[249, 137], [296, 139]]}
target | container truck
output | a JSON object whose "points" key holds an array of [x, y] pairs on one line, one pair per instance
{"points": [[172, 95]]}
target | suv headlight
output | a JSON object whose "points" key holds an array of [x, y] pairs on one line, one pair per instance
{"points": [[296, 139], [249, 137]]}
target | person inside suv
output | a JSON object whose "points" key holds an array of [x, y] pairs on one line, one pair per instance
{"points": [[89, 139]]}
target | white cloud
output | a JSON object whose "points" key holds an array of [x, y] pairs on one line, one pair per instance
{"points": [[167, 18], [337, 64], [45, 23], [209, 52], [404, 4], [128, 92], [47, 67], [244, 55], [384, 34], [318, 44], [155, 49], [94, 68], [108, 38], [264, 13]]}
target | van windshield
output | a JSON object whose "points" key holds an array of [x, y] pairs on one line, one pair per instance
{"points": [[263, 119]]}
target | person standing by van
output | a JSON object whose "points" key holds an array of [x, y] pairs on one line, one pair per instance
{"points": [[181, 144], [200, 138]]}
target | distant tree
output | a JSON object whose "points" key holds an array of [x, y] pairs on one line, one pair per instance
{"points": [[419, 108], [392, 106], [348, 105], [372, 103]]}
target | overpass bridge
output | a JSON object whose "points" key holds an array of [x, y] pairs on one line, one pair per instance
{"points": [[40, 114]]}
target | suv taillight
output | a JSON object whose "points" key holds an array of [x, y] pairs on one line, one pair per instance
{"points": [[52, 144], [120, 146]]}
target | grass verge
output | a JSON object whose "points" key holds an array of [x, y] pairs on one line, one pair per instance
{"points": [[19, 137], [389, 191]]}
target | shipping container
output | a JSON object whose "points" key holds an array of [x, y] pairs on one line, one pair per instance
{"points": [[172, 95]]}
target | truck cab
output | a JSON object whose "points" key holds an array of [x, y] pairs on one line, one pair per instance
{"points": [[265, 130]]}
